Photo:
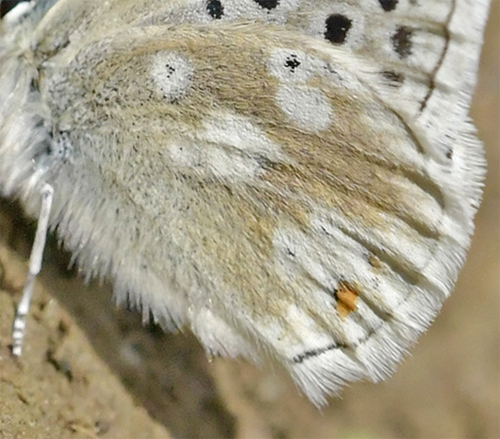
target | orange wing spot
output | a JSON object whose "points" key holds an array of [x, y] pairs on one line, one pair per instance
{"points": [[346, 296]]}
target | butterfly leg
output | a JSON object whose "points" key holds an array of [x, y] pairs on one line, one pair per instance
{"points": [[19, 325]]}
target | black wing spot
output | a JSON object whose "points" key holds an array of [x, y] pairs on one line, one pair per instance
{"points": [[292, 63], [337, 28], [401, 41], [215, 9], [7, 5], [267, 4], [388, 5], [170, 70], [395, 79]]}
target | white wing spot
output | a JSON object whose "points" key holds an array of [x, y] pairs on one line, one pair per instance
{"points": [[308, 107], [228, 147], [213, 162], [171, 74]]}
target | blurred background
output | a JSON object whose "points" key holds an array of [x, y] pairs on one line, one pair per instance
{"points": [[91, 370]]}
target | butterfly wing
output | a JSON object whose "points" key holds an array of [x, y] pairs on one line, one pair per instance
{"points": [[289, 180]]}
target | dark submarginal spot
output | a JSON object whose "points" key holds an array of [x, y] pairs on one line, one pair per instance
{"points": [[215, 9], [267, 4], [395, 79], [337, 28], [388, 5], [401, 41]]}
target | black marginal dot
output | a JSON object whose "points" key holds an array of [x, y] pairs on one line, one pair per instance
{"points": [[449, 154], [337, 27], [401, 41], [388, 5], [215, 9], [267, 4]]}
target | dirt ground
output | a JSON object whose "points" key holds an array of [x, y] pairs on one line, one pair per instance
{"points": [[92, 371]]}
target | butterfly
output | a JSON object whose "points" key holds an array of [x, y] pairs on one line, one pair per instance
{"points": [[291, 180]]}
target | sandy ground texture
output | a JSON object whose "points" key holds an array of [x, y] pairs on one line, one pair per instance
{"points": [[92, 371]]}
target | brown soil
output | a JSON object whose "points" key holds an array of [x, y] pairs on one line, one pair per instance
{"points": [[90, 370]]}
